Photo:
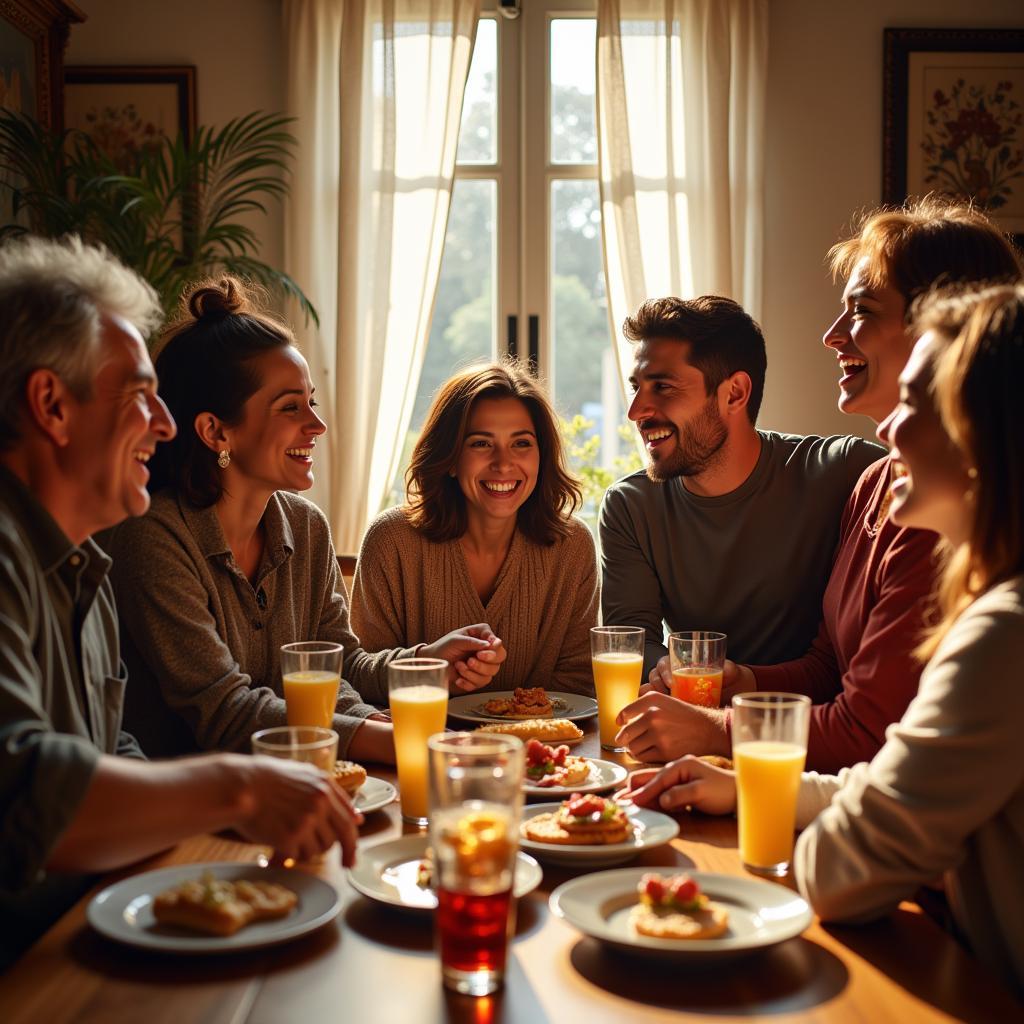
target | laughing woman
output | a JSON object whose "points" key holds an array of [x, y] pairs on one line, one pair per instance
{"points": [[488, 532], [945, 794], [230, 563]]}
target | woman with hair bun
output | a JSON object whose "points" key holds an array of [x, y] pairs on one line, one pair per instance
{"points": [[230, 563], [487, 532]]}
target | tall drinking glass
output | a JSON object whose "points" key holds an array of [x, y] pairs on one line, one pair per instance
{"points": [[476, 799], [769, 747], [617, 656], [697, 658], [309, 744], [418, 695], [311, 671]]}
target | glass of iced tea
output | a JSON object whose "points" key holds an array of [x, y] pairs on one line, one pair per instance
{"points": [[311, 672], [697, 659], [418, 698], [476, 799], [617, 657], [769, 747]]}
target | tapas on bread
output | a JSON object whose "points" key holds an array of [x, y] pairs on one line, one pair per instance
{"points": [[524, 702], [216, 906], [582, 820], [674, 907], [554, 766], [549, 730]]}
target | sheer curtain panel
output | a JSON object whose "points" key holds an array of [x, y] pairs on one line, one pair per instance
{"points": [[377, 87], [680, 98]]}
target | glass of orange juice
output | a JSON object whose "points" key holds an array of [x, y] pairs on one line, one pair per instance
{"points": [[769, 747], [617, 657], [311, 672], [418, 697], [697, 658]]}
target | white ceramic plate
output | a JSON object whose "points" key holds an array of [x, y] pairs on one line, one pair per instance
{"points": [[374, 794], [650, 828], [387, 872], [761, 914], [603, 775], [124, 911], [467, 707]]}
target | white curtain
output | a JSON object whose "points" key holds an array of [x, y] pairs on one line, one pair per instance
{"points": [[680, 98], [377, 88]]}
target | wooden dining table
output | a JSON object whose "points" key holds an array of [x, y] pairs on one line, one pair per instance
{"points": [[378, 964]]}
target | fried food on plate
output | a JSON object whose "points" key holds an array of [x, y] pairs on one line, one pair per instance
{"points": [[349, 776], [525, 702], [547, 729]]}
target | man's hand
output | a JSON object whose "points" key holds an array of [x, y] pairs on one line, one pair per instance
{"points": [[474, 655], [296, 809], [687, 782], [660, 678], [657, 727], [736, 679]]}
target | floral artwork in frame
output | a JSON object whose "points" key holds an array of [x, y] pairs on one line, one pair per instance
{"points": [[954, 118], [128, 109]]}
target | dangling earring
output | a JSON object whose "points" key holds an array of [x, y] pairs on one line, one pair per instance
{"points": [[224, 458], [971, 493]]}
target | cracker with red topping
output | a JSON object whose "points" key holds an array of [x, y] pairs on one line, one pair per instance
{"points": [[582, 820], [554, 766], [673, 907]]}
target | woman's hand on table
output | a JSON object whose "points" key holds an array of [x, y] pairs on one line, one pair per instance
{"points": [[688, 782], [296, 809], [658, 727], [474, 655]]}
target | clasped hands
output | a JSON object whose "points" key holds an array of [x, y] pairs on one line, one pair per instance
{"points": [[474, 655]]}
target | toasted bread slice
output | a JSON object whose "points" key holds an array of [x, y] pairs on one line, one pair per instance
{"points": [[546, 729], [664, 923], [545, 828], [349, 776], [220, 907]]}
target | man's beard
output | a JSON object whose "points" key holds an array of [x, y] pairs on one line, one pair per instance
{"points": [[698, 446]]}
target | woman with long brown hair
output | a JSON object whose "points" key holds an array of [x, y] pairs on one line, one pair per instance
{"points": [[487, 531], [945, 794]]}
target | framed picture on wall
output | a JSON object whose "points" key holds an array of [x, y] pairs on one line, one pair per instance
{"points": [[126, 109], [32, 40], [953, 119]]}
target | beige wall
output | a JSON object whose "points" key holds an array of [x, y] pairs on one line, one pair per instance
{"points": [[823, 159], [823, 162], [235, 46]]}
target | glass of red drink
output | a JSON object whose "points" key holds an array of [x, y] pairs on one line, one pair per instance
{"points": [[476, 800], [697, 659]]}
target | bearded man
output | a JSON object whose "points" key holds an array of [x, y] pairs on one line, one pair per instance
{"points": [[730, 528]]}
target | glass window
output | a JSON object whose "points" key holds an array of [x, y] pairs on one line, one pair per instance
{"points": [[573, 91]]}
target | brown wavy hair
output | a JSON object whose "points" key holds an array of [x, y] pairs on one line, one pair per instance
{"points": [[435, 504], [205, 364], [976, 386], [928, 242]]}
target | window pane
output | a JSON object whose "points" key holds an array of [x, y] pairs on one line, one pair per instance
{"points": [[478, 133], [573, 110], [463, 328], [586, 381]]}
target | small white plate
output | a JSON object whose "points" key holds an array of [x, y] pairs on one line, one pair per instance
{"points": [[124, 911], [374, 794], [467, 707], [386, 872], [603, 775], [761, 914], [650, 828]]}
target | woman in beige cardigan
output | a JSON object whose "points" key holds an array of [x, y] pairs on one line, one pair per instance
{"points": [[945, 794], [488, 532]]}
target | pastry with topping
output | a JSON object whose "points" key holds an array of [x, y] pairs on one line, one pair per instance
{"points": [[582, 820], [349, 776], [554, 766], [550, 730], [673, 907]]}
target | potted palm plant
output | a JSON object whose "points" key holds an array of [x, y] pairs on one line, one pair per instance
{"points": [[172, 214]]}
